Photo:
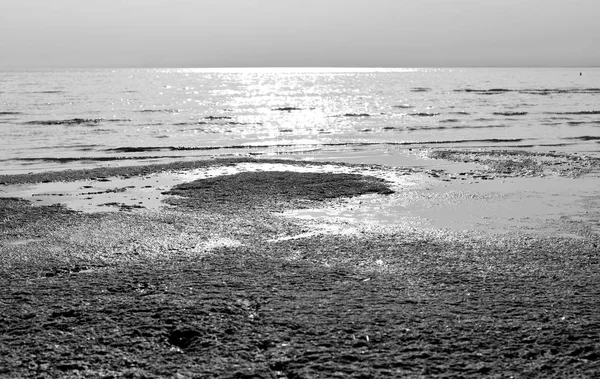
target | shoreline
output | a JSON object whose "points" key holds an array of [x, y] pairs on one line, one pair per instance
{"points": [[500, 186], [279, 268]]}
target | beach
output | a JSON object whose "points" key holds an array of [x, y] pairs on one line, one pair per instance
{"points": [[464, 263]]}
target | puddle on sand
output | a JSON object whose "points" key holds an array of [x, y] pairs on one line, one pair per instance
{"points": [[392, 156], [499, 205], [95, 195], [540, 205], [145, 193]]}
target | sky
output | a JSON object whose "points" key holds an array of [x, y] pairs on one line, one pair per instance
{"points": [[299, 33]]}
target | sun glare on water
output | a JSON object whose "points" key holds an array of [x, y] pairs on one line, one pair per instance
{"points": [[292, 70]]}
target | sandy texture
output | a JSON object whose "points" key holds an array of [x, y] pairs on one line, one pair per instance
{"points": [[220, 285], [518, 163], [130, 171], [273, 190]]}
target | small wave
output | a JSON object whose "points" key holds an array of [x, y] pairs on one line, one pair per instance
{"points": [[87, 147], [510, 113], [139, 149], [555, 144], [403, 106], [158, 111], [73, 121], [495, 140], [575, 123], [530, 91], [287, 109], [404, 143], [218, 118], [450, 120], [556, 118], [464, 113], [216, 123], [75, 145], [420, 89], [456, 127], [553, 91], [434, 142], [102, 131], [423, 114], [200, 148], [585, 138], [191, 123], [492, 91], [576, 113], [48, 92], [10, 113], [472, 126], [357, 115], [241, 123]]}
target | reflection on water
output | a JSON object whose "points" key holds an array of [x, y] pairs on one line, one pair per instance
{"points": [[539, 205], [108, 109]]}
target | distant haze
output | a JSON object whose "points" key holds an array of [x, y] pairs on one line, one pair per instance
{"points": [[318, 33]]}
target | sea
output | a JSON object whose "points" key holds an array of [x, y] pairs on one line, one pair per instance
{"points": [[58, 119]]}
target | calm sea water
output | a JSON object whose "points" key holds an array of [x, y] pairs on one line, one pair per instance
{"points": [[60, 119]]}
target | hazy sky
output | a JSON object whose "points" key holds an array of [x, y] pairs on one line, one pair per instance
{"points": [[350, 33]]}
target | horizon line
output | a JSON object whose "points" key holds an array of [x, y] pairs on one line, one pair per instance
{"points": [[279, 68]]}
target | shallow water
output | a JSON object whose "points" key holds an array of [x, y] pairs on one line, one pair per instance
{"points": [[548, 206], [429, 194], [146, 192], [53, 119]]}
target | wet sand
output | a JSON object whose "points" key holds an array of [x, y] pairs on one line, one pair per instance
{"points": [[473, 265]]}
